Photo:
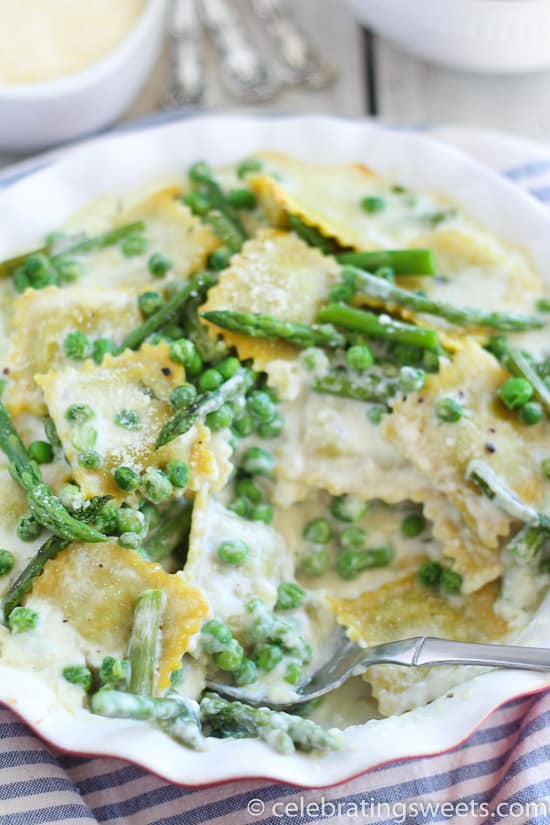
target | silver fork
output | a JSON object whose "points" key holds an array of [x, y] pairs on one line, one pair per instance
{"points": [[421, 651]]}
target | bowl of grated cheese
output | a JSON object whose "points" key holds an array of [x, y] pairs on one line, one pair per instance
{"points": [[68, 69]]}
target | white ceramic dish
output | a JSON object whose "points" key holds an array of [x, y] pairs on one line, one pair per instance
{"points": [[117, 163], [502, 36], [37, 115]]}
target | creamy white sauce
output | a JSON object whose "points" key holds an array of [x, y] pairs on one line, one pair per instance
{"points": [[47, 39]]}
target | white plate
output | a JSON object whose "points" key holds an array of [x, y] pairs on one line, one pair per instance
{"points": [[44, 200]]}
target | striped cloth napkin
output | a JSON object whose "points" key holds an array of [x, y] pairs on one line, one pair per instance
{"points": [[499, 774]]}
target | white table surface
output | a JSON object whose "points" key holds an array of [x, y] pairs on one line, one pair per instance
{"points": [[376, 78]]}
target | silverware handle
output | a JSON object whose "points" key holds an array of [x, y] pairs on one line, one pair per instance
{"points": [[432, 651]]}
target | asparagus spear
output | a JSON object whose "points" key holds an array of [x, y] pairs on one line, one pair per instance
{"points": [[518, 364], [225, 229], [527, 543], [46, 508], [203, 404], [202, 174], [378, 326], [259, 325], [281, 730], [402, 261], [186, 726], [34, 568], [312, 236], [109, 238], [176, 522], [210, 348], [119, 705], [387, 292], [196, 287], [497, 490], [366, 387], [144, 641]]}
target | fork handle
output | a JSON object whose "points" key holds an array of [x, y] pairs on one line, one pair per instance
{"points": [[433, 651]]}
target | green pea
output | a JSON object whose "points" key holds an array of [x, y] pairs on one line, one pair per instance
{"points": [[341, 294], [127, 419], [220, 258], [20, 280], [449, 410], [242, 199], [412, 525], [78, 675], [126, 479], [430, 360], [515, 392], [77, 346], [198, 203], [178, 473], [150, 302], [89, 459], [246, 673], [376, 412], [106, 520], [233, 552], [200, 172], [243, 425], [498, 345], [359, 357], [315, 360], [240, 506], [79, 413], [257, 461], [28, 529], [261, 512], [260, 405], [373, 204], [294, 674], [411, 379], [215, 636], [68, 271], [182, 396], [289, 596], [353, 538], [40, 272], [381, 556], [249, 489], [155, 485], [267, 657], [219, 419], [271, 429], [41, 452], [210, 380], [429, 574], [129, 540], [348, 508], [451, 581], [101, 347], [159, 264], [230, 658], [173, 332], [543, 305], [545, 467], [318, 530], [7, 562], [531, 413], [353, 562], [134, 244], [130, 520], [22, 619], [228, 367], [84, 437], [316, 562], [249, 166], [183, 352]]}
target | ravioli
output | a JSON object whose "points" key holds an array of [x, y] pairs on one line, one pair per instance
{"points": [[136, 384], [40, 323], [404, 608], [442, 451], [170, 229], [279, 274], [96, 587]]}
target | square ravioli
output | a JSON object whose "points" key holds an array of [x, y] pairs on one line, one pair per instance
{"points": [[442, 451], [404, 608], [170, 229], [127, 402], [279, 274], [94, 589], [41, 321]]}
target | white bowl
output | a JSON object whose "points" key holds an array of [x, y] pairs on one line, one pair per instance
{"points": [[502, 36], [42, 201], [37, 115]]}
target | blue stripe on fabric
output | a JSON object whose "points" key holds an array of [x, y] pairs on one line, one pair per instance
{"points": [[32, 787], [527, 794], [526, 170], [113, 779], [67, 761], [12, 730], [15, 759], [48, 816]]}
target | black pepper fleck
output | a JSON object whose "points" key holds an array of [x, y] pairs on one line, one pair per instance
{"points": [[166, 371], [490, 447]]}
